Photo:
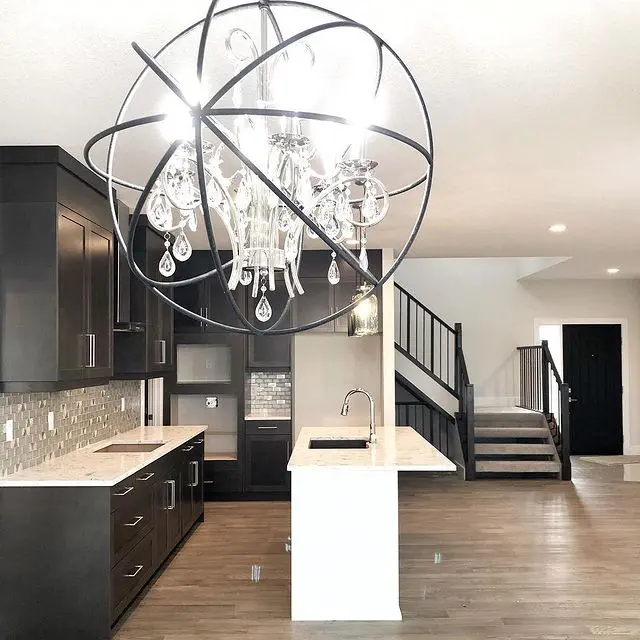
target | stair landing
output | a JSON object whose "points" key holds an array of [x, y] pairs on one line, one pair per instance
{"points": [[511, 441]]}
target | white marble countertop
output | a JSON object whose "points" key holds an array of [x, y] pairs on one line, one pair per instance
{"points": [[85, 468], [399, 448], [265, 415]]}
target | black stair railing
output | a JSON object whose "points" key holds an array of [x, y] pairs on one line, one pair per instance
{"points": [[424, 338], [435, 347], [432, 424], [542, 389], [466, 413]]}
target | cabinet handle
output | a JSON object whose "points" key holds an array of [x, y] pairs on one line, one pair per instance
{"points": [[195, 482], [187, 449], [124, 493], [146, 477], [137, 520], [163, 352], [138, 568], [207, 482], [201, 441], [92, 351], [265, 427], [172, 486]]}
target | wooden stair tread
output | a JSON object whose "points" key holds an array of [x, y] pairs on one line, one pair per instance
{"points": [[517, 466], [512, 432], [497, 449]]}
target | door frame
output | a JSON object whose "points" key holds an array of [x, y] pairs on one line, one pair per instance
{"points": [[627, 449]]}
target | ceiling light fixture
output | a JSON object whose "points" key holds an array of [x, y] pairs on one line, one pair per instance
{"points": [[558, 228], [613, 270], [277, 192]]}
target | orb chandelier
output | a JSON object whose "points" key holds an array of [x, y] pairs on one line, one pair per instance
{"points": [[271, 197]]}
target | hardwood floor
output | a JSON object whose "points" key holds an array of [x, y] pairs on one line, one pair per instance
{"points": [[529, 559]]}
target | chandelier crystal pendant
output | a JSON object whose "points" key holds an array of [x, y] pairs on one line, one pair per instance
{"points": [[247, 177]]}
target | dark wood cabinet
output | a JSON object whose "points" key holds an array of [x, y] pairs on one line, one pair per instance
{"points": [[146, 347], [206, 297], [270, 352], [191, 492], [267, 451], [85, 552], [56, 272]]}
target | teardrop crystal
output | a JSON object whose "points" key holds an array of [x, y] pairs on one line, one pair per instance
{"points": [[159, 211], [167, 266], [334, 273], [243, 197], [182, 248], [192, 221], [263, 309], [284, 220], [246, 277], [348, 230], [370, 206], [332, 228], [364, 258]]}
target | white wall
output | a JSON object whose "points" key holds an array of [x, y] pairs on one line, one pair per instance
{"points": [[325, 367], [499, 313]]}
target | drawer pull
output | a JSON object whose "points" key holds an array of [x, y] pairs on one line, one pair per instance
{"points": [[265, 427], [187, 449], [138, 568], [146, 476], [208, 482], [124, 493], [201, 441], [136, 522]]}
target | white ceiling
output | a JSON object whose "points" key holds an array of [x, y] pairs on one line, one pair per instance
{"points": [[534, 109]]}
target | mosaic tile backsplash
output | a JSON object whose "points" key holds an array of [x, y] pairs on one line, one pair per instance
{"points": [[81, 417], [269, 391]]}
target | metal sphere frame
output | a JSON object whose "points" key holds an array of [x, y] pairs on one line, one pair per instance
{"points": [[204, 115]]}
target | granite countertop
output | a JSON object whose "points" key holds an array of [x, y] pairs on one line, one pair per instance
{"points": [[397, 448], [266, 415], [84, 468]]}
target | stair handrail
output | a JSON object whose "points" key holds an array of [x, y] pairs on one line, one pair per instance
{"points": [[538, 374]]}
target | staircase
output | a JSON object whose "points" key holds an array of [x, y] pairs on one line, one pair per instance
{"points": [[435, 397], [515, 442]]}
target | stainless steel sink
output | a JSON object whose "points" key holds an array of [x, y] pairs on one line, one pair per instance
{"points": [[338, 443], [130, 447]]}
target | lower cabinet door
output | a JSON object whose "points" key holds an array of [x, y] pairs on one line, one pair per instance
{"points": [[186, 492], [130, 574], [161, 502], [266, 458]]}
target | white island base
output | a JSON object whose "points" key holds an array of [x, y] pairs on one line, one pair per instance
{"points": [[344, 523]]}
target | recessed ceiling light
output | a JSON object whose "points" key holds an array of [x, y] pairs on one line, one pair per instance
{"points": [[558, 228], [613, 270]]}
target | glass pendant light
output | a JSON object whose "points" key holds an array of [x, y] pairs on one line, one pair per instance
{"points": [[363, 319]]}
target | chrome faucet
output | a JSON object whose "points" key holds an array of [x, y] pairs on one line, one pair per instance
{"points": [[372, 412]]}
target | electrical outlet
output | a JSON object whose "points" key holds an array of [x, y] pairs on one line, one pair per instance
{"points": [[8, 430], [211, 402], [123, 404], [208, 364], [51, 421]]}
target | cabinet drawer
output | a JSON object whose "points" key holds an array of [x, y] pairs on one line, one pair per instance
{"points": [[135, 487], [130, 574], [221, 477], [130, 523], [267, 427]]}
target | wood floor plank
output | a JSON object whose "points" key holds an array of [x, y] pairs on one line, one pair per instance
{"points": [[486, 560]]}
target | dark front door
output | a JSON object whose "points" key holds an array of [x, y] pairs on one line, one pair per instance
{"points": [[593, 370]]}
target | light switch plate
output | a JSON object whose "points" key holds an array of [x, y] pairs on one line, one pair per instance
{"points": [[211, 402], [122, 404], [51, 421], [8, 430]]}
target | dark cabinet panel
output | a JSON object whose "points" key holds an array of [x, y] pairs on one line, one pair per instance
{"points": [[315, 303], [266, 459], [100, 265], [271, 352], [148, 351], [73, 338], [55, 270], [192, 494]]}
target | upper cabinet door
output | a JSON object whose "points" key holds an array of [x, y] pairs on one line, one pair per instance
{"points": [[73, 339], [99, 244]]}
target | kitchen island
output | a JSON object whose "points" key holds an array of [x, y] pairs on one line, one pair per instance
{"points": [[344, 522]]}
